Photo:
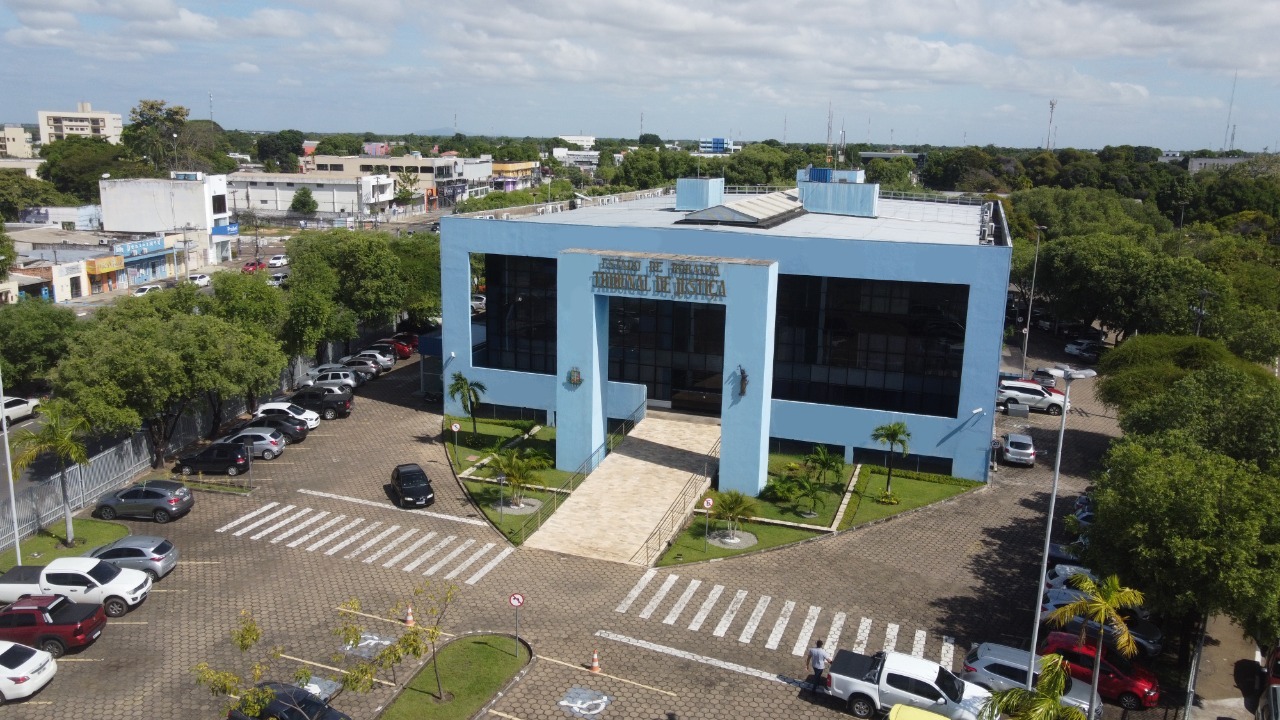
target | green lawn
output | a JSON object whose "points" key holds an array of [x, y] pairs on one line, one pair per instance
{"points": [[479, 444], [472, 669], [828, 501], [45, 546], [486, 495], [912, 493], [689, 543]]}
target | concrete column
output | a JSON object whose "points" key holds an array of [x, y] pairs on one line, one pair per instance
{"points": [[582, 337], [751, 295]]}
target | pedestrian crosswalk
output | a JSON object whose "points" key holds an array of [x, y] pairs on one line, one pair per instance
{"points": [[387, 545], [763, 619]]}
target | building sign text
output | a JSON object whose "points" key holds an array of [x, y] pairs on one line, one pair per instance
{"points": [[665, 279]]}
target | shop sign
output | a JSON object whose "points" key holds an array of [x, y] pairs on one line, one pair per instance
{"points": [[138, 247], [662, 279], [97, 266]]}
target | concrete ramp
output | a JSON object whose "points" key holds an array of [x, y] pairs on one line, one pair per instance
{"points": [[617, 507]]}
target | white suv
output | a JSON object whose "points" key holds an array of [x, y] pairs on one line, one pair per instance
{"points": [[1031, 394]]}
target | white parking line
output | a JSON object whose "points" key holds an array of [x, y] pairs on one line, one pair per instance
{"points": [[386, 506], [917, 645], [390, 546], [754, 620], [705, 610], [833, 635], [427, 555], [864, 635], [713, 662], [723, 626], [490, 565], [806, 631], [683, 600], [333, 550], [891, 637], [246, 518], [635, 591], [301, 526], [947, 656], [332, 521], [371, 541], [282, 523], [469, 561], [658, 597], [263, 521], [405, 552], [449, 558], [780, 626]]}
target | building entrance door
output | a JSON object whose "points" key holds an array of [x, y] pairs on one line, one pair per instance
{"points": [[674, 348]]}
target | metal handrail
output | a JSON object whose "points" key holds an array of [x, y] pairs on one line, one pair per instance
{"points": [[560, 494], [680, 509], [932, 197]]}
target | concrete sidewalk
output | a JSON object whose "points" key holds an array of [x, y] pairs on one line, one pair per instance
{"points": [[1227, 685]]}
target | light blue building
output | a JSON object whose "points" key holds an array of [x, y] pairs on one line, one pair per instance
{"points": [[812, 315]]}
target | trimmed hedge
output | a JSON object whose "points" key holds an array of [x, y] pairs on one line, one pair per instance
{"points": [[924, 477]]}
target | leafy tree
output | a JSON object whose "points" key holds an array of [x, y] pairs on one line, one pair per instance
{"points": [[8, 255], [35, 334], [641, 168], [1145, 366], [519, 465], [18, 192], [369, 276], [892, 174], [342, 144], [74, 165], [470, 392], [304, 202], [281, 149], [154, 131], [732, 507], [1042, 703], [894, 435], [247, 301], [60, 434], [203, 147], [419, 256], [406, 186], [1102, 604], [649, 140]]}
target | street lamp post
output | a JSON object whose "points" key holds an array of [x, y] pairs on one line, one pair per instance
{"points": [[1068, 374], [1026, 331], [8, 468]]}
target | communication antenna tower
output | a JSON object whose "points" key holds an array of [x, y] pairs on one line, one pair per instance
{"points": [[1048, 136], [828, 132], [1230, 106]]}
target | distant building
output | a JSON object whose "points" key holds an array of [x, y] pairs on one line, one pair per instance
{"points": [[1195, 165], [309, 147], [442, 180], [15, 142], [83, 217], [585, 159], [376, 149], [28, 166], [1170, 156], [717, 146], [343, 195], [586, 142], [509, 176], [58, 125], [191, 205]]}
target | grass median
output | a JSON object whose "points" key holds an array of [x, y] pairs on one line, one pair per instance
{"points": [[46, 545], [911, 492], [689, 545], [472, 670]]}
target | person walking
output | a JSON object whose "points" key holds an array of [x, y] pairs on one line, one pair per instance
{"points": [[816, 661]]}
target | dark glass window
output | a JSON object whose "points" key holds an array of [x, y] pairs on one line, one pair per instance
{"points": [[219, 203], [676, 349], [870, 343], [520, 314]]}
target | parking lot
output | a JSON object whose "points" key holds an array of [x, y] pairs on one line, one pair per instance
{"points": [[320, 529]]}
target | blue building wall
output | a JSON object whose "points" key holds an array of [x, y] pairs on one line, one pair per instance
{"points": [[984, 268]]}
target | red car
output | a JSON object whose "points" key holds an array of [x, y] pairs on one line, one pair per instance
{"points": [[1130, 685], [254, 266], [52, 623], [409, 339], [402, 349]]}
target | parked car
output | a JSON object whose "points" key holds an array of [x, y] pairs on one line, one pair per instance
{"points": [[1126, 683], [199, 279], [365, 369], [265, 443], [269, 409], [16, 409], [411, 486], [1044, 377], [291, 703], [53, 623], [384, 360], [402, 350], [336, 378], [1145, 634], [160, 500], [1031, 394], [277, 261], [1059, 576], [328, 405], [151, 554], [1067, 553], [253, 266], [294, 429], [217, 458], [278, 279], [1058, 597], [1000, 667], [1017, 448], [408, 338], [478, 304], [1086, 350], [146, 289], [84, 579], [23, 670]]}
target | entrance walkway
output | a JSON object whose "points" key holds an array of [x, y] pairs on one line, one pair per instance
{"points": [[615, 510]]}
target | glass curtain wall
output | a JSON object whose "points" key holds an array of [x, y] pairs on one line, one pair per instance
{"points": [[520, 314], [676, 349]]}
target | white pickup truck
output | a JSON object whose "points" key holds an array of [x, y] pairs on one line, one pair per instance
{"points": [[82, 580], [871, 684]]}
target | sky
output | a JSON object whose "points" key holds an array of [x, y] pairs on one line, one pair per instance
{"points": [[939, 72]]}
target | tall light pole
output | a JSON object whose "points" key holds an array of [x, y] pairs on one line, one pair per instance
{"points": [[1026, 331], [1068, 374], [8, 469]]}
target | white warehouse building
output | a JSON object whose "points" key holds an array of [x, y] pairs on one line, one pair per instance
{"points": [[274, 192]]}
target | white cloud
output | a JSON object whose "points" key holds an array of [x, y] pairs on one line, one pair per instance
{"points": [[246, 68]]}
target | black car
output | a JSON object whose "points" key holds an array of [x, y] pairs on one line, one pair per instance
{"points": [[294, 429], [228, 458], [291, 703], [411, 486], [329, 405]]}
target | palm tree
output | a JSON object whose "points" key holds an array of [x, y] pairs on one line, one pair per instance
{"points": [[892, 434], [731, 507], [823, 461], [470, 393], [518, 465], [59, 434], [1100, 607], [1042, 703]]}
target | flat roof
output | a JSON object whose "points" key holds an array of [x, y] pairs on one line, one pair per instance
{"points": [[913, 221]]}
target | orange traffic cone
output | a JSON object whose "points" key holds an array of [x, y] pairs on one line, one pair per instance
{"points": [[595, 661], [408, 616]]}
